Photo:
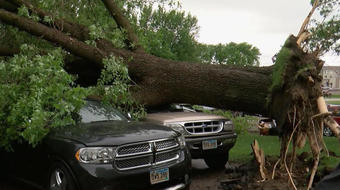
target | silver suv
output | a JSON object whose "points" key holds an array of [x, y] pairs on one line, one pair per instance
{"points": [[208, 136]]}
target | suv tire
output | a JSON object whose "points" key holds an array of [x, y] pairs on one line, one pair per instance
{"points": [[216, 161], [60, 178]]}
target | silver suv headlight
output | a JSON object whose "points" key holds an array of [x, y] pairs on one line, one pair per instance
{"points": [[96, 155], [176, 126], [228, 125], [181, 141]]}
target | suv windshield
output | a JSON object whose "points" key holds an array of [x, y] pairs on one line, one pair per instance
{"points": [[93, 111]]}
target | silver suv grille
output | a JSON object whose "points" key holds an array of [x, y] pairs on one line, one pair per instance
{"points": [[203, 127], [146, 154]]}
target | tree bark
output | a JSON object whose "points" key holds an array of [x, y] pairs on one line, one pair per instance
{"points": [[162, 81], [8, 5], [8, 51]]}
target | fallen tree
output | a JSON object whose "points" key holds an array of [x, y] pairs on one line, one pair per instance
{"points": [[289, 91], [160, 81]]}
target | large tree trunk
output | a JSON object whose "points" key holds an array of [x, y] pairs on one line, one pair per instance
{"points": [[235, 88]]}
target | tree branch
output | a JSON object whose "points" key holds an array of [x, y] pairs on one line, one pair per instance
{"points": [[76, 30], [8, 6], [307, 19], [304, 36], [123, 23], [71, 44], [8, 51]]}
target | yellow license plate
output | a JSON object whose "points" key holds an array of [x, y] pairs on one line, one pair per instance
{"points": [[160, 175], [209, 144]]}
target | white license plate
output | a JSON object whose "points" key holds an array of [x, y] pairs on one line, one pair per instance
{"points": [[209, 144], [160, 175]]}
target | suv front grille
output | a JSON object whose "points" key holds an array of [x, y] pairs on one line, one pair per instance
{"points": [[167, 156], [163, 145], [132, 163], [134, 149], [146, 154], [203, 127]]}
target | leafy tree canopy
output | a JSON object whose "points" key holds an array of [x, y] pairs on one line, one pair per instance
{"points": [[36, 94], [325, 28], [242, 54]]}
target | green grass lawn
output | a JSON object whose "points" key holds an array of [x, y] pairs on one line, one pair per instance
{"points": [[242, 151], [333, 102], [330, 101], [335, 96]]}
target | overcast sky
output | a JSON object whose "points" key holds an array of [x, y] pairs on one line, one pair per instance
{"points": [[265, 24]]}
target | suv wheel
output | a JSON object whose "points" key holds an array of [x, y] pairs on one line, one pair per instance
{"points": [[327, 132], [216, 161], [60, 178]]}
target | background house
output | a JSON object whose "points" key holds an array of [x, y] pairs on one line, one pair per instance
{"points": [[331, 76]]}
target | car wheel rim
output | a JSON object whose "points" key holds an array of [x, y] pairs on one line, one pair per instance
{"points": [[58, 179], [327, 132]]}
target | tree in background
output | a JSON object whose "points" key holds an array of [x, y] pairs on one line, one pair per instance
{"points": [[324, 29], [241, 54], [166, 31]]}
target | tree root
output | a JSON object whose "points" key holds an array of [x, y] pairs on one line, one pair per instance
{"points": [[274, 168], [260, 158], [315, 167], [314, 144], [285, 156]]}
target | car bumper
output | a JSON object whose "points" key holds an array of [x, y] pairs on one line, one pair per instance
{"points": [[106, 177], [225, 142]]}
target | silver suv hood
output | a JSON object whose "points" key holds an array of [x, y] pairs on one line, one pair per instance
{"points": [[173, 117]]}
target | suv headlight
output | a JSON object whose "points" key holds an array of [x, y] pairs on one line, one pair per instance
{"points": [[181, 141], [177, 127], [270, 125], [95, 155], [228, 125]]}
